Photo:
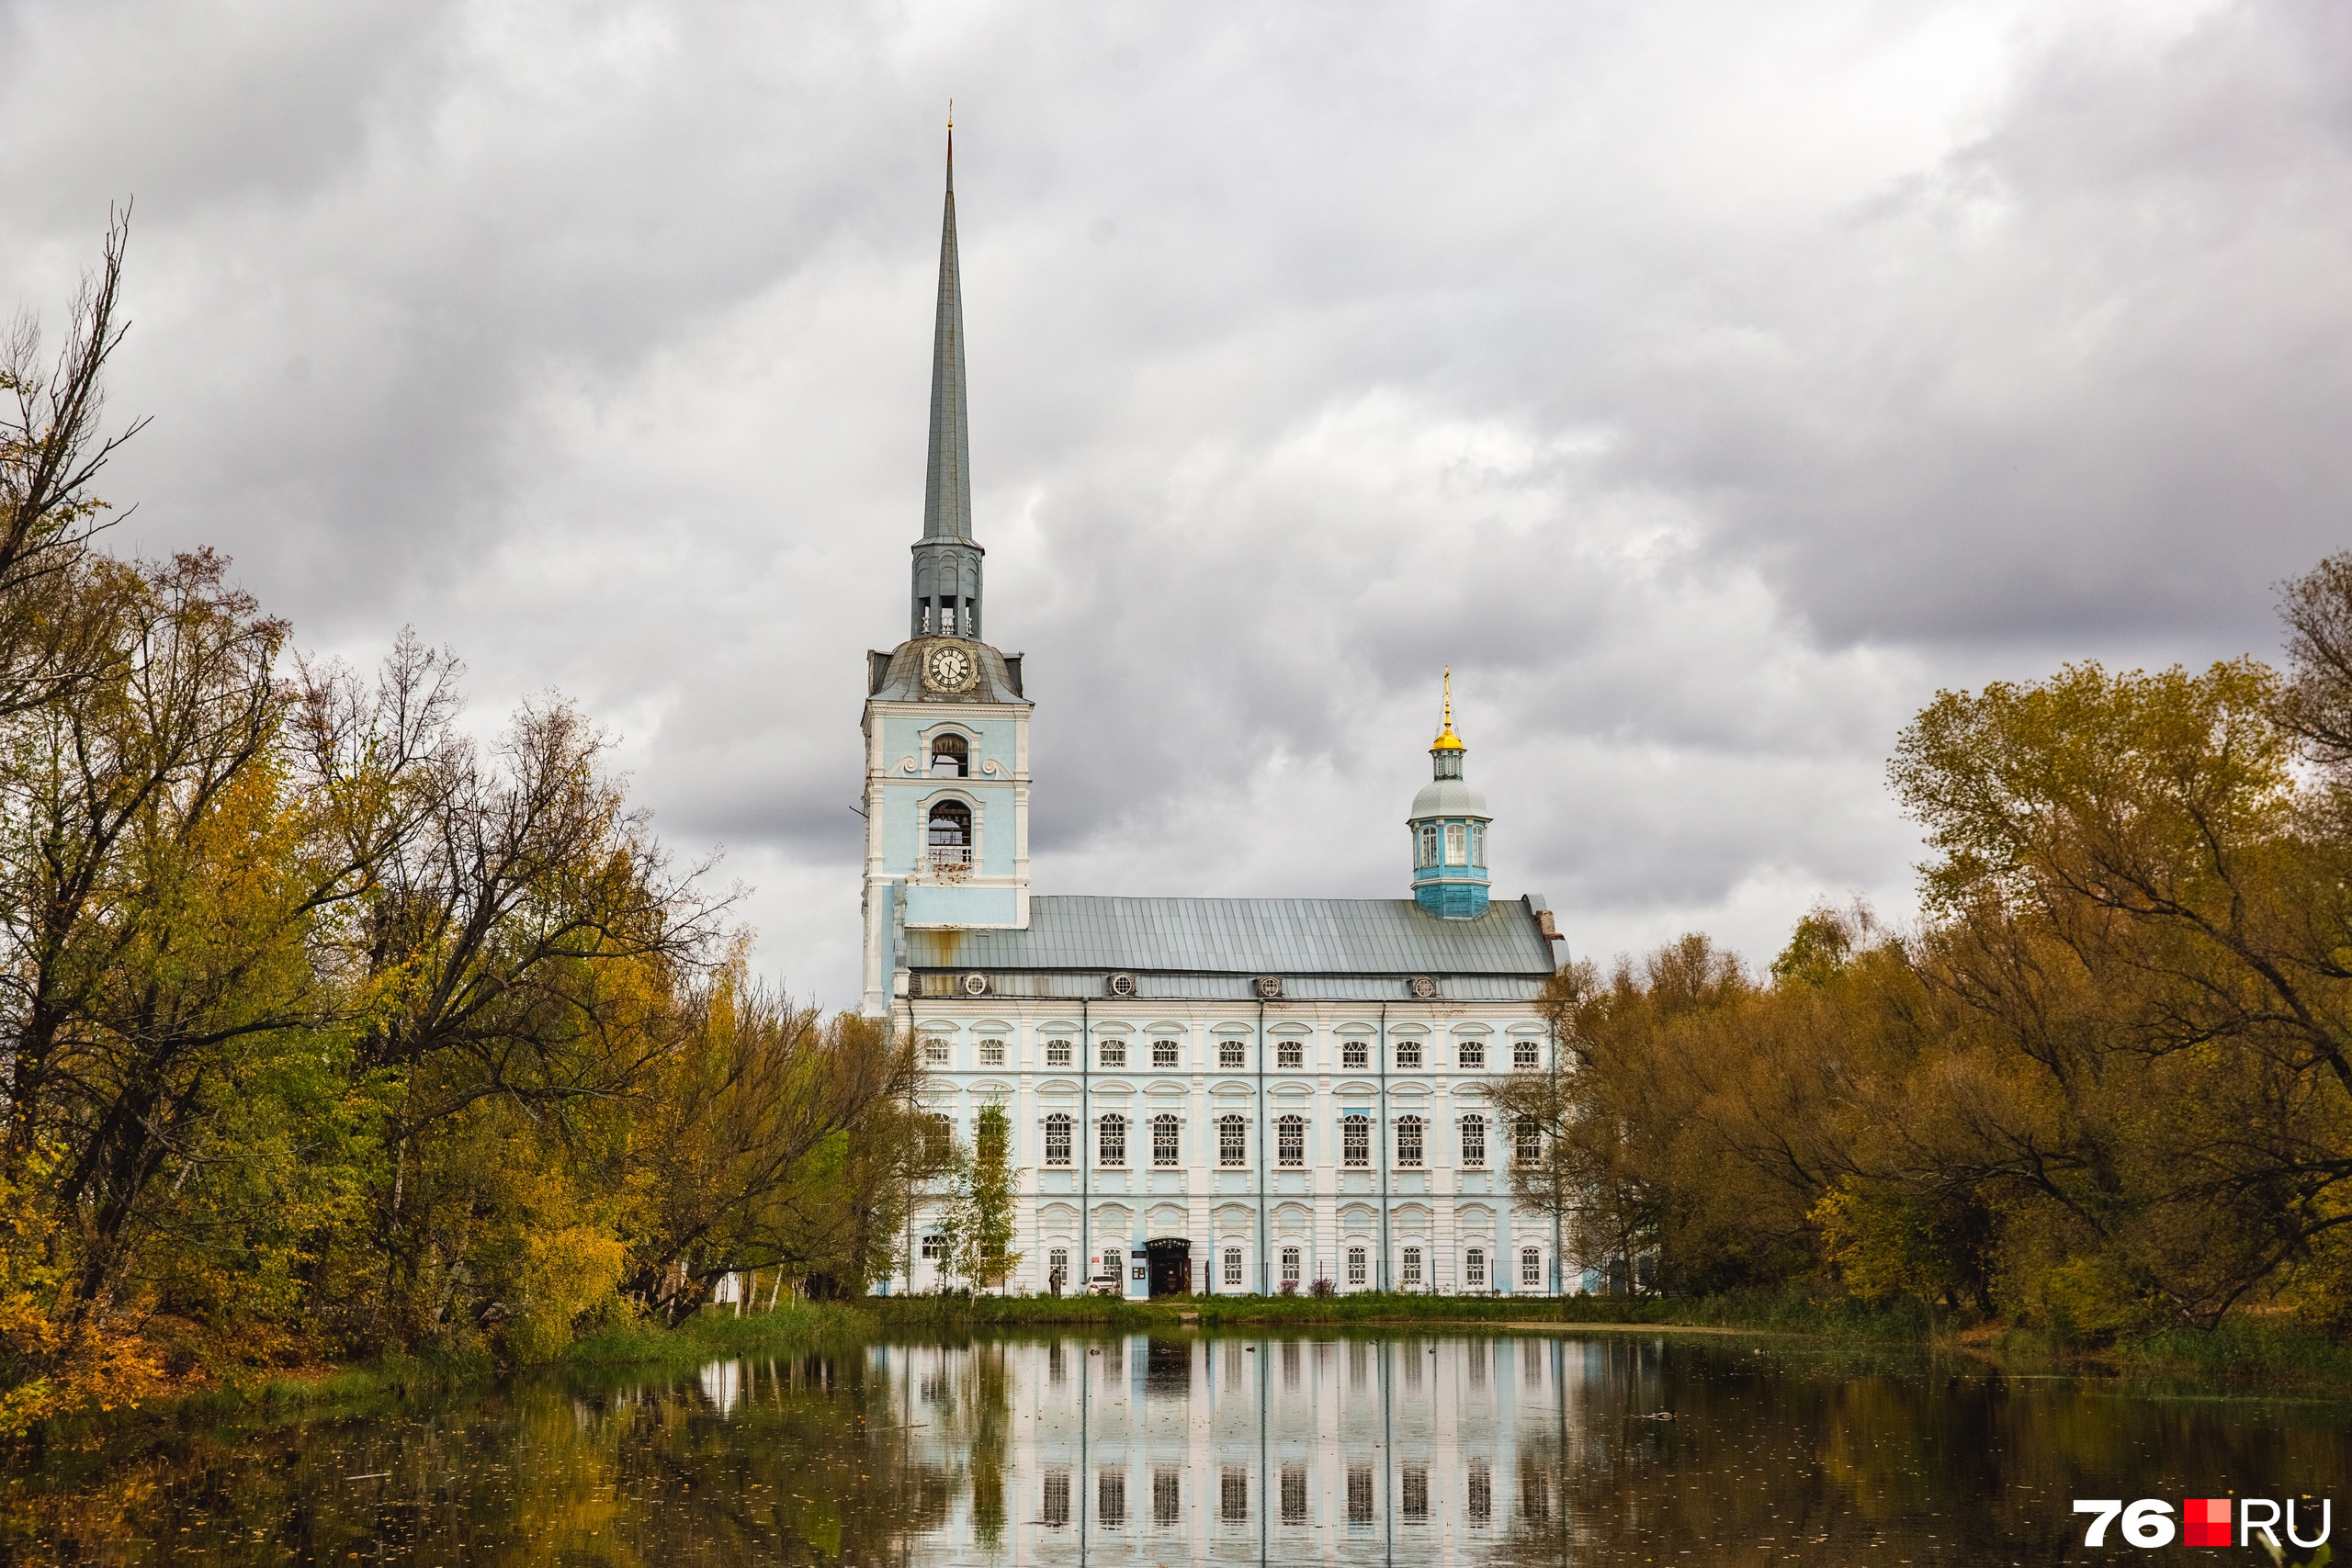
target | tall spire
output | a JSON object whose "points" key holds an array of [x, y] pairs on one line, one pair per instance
{"points": [[947, 561], [947, 490]]}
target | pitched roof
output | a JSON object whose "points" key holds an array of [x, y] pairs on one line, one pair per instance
{"points": [[1300, 937]]}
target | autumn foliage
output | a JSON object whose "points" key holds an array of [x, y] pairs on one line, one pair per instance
{"points": [[2101, 1090], [326, 1029]]}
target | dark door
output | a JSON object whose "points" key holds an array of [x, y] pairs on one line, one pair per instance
{"points": [[1172, 1266]]}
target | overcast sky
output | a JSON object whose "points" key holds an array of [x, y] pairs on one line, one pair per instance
{"points": [[1707, 383]]}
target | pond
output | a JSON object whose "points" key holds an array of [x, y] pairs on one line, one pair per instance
{"points": [[1581, 1448]]}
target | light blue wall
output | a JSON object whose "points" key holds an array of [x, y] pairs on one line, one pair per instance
{"points": [[907, 798], [930, 905]]}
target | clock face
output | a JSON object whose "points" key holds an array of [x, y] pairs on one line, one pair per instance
{"points": [[948, 667]]}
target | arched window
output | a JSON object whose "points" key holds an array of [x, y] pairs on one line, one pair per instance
{"points": [[1473, 1141], [1429, 844], [1530, 1266], [1163, 1140], [951, 833], [1113, 1145], [951, 757], [1473, 1269], [1408, 1142], [1527, 1141], [1477, 843], [1232, 1140], [1058, 1139], [1457, 844], [1290, 1141], [1355, 1141]]}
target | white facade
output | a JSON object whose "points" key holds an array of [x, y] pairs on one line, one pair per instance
{"points": [[1368, 1213]]}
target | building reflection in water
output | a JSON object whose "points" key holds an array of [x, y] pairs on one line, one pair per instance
{"points": [[1214, 1451]]}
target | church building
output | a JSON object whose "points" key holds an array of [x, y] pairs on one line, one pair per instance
{"points": [[1220, 1095]]}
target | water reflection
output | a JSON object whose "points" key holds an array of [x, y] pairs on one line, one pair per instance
{"points": [[1525, 1450]]}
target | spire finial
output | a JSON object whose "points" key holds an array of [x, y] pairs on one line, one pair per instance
{"points": [[1446, 740], [951, 146]]}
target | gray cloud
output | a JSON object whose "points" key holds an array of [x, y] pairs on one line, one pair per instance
{"points": [[1706, 383]]}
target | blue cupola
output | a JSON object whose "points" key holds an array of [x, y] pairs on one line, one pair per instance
{"points": [[1449, 825]]}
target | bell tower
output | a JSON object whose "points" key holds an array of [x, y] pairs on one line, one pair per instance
{"points": [[946, 725]]}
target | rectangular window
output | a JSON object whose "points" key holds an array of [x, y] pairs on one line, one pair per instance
{"points": [[1111, 1499], [1357, 1270], [1167, 1497], [1290, 1275], [1473, 1141], [1527, 1141], [1355, 1141], [1526, 1053], [1113, 1151], [1473, 1269], [934, 1245], [1057, 1509], [1470, 1055], [1232, 1275], [1429, 844], [991, 1052], [1058, 1140], [1413, 1495], [1058, 1275], [1482, 1491], [1232, 1141], [1289, 1141], [1115, 1053], [1356, 1053], [1058, 1053], [1163, 1140], [1408, 1142], [1233, 1055], [1290, 1053], [1534, 1490], [1359, 1494], [1457, 844], [1530, 1266], [1233, 1496], [1409, 1056], [1163, 1053], [934, 1053], [1293, 1493], [1409, 1276]]}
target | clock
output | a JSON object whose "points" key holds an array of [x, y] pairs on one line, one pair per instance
{"points": [[949, 667]]}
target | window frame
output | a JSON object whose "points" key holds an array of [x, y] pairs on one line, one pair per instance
{"points": [[1429, 846], [1289, 1141], [1526, 1055], [1356, 1055], [1166, 1141], [1059, 1128], [1111, 1055], [1470, 1055], [1290, 1053], [1530, 1266], [936, 1052], [1412, 1143], [1408, 1055], [1355, 1141], [1474, 1142], [1059, 1053], [1473, 1267], [1109, 1129], [991, 1052], [1233, 1055], [1457, 844], [1166, 1053], [1232, 1141], [1358, 1266]]}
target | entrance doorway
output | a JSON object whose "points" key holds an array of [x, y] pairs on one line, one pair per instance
{"points": [[1172, 1266]]}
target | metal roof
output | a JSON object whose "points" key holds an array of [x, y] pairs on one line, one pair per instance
{"points": [[1247, 936]]}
